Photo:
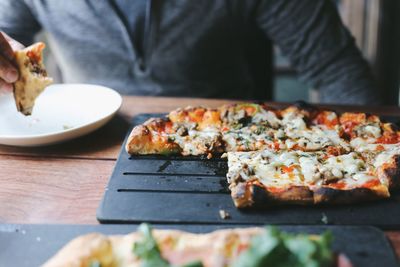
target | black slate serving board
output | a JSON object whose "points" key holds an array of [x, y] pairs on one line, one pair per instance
{"points": [[176, 189], [32, 245]]}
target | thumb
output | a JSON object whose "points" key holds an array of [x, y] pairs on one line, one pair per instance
{"points": [[8, 46], [343, 261]]}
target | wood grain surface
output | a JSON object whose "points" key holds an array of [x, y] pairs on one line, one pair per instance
{"points": [[64, 183]]}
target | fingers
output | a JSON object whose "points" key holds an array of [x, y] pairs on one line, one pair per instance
{"points": [[7, 71], [5, 87], [343, 261], [15, 45], [5, 48]]}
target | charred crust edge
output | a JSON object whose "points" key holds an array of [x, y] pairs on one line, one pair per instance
{"points": [[260, 197], [335, 196], [393, 173], [305, 106]]}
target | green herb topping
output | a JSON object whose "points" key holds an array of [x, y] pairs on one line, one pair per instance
{"points": [[279, 249], [149, 252]]}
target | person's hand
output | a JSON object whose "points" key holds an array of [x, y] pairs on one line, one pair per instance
{"points": [[343, 261], [8, 70]]}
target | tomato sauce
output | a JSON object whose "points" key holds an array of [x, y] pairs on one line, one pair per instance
{"points": [[371, 183], [380, 148], [273, 189], [196, 115], [34, 57], [322, 118], [388, 138], [338, 185], [333, 151], [348, 127], [289, 169]]}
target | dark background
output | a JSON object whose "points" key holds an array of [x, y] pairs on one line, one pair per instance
{"points": [[375, 25]]}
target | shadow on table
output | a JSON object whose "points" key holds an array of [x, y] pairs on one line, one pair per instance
{"points": [[103, 143]]}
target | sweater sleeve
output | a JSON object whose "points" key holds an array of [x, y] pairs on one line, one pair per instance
{"points": [[310, 33], [17, 20]]}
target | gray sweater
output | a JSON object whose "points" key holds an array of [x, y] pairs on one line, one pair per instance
{"points": [[205, 48]]}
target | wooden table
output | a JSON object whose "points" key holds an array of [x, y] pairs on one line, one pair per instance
{"points": [[63, 184]]}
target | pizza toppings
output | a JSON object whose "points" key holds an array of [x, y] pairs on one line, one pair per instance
{"points": [[327, 118], [250, 127], [287, 169], [294, 250], [149, 252], [240, 247], [242, 115], [247, 139], [293, 155], [195, 142]]}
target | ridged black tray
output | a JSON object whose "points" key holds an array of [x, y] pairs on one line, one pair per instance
{"points": [[178, 189], [32, 245]]}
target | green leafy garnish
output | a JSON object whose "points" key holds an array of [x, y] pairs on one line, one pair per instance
{"points": [[260, 129], [149, 252], [271, 248], [278, 249]]}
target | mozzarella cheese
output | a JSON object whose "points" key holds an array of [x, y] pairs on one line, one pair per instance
{"points": [[314, 138], [369, 130], [266, 116], [288, 168], [309, 168], [248, 138], [331, 116], [293, 121], [198, 142], [386, 156]]}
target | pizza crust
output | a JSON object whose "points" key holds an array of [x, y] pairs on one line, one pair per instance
{"points": [[297, 155], [32, 77], [390, 172], [254, 195], [81, 251], [149, 138], [327, 195], [217, 248]]}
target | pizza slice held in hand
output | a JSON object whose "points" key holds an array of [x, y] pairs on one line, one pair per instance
{"points": [[32, 77]]}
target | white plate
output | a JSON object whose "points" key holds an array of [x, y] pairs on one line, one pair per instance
{"points": [[61, 112]]}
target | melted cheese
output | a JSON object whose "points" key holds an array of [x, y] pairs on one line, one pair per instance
{"points": [[267, 166], [293, 121], [309, 167], [367, 145], [293, 135], [359, 143], [247, 139], [314, 138], [386, 156], [266, 116], [373, 130], [369, 131], [198, 142], [349, 163], [288, 168], [331, 116]]}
